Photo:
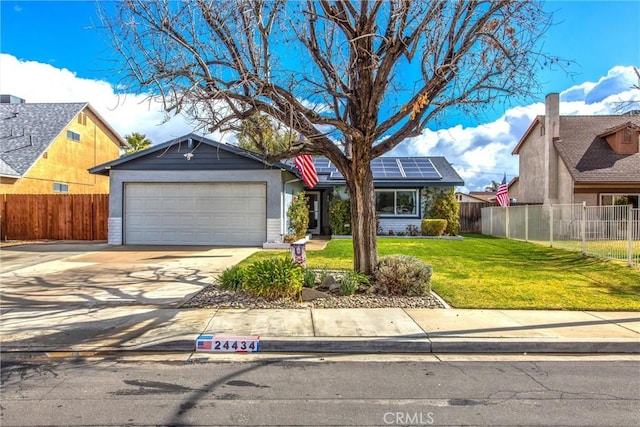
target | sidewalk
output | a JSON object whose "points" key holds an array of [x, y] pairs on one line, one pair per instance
{"points": [[388, 330]]}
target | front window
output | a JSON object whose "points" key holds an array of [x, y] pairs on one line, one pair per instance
{"points": [[397, 202], [619, 200]]}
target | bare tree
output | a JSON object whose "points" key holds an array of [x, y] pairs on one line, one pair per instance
{"points": [[354, 78]]}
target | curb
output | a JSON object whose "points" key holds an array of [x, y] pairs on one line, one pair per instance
{"points": [[373, 345]]}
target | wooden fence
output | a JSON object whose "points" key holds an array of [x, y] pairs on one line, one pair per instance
{"points": [[54, 216]]}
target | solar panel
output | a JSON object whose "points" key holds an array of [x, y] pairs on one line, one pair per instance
{"points": [[390, 168], [419, 168]]}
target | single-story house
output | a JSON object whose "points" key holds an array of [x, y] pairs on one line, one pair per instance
{"points": [[196, 191]]}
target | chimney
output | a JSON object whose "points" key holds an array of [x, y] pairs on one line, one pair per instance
{"points": [[552, 134]]}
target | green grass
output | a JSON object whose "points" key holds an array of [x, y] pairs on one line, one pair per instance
{"points": [[487, 272]]}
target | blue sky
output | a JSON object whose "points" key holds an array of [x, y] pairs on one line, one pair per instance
{"points": [[53, 52]]}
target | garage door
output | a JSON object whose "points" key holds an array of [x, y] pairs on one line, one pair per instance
{"points": [[195, 214]]}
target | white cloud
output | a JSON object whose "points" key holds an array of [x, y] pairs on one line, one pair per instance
{"points": [[38, 82], [480, 154]]}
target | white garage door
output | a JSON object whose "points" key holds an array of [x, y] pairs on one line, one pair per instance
{"points": [[195, 214]]}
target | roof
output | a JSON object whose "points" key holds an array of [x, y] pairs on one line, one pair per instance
{"points": [[104, 168], [328, 174], [404, 171], [28, 129], [587, 154]]}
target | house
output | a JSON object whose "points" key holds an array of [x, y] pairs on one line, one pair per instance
{"points": [[47, 148], [196, 191], [575, 159], [470, 198]]}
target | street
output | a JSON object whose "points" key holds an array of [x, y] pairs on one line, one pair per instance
{"points": [[321, 390]]}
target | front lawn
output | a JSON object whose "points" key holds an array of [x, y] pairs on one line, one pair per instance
{"points": [[486, 272]]}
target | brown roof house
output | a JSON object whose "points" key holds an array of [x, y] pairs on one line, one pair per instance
{"points": [[575, 159]]}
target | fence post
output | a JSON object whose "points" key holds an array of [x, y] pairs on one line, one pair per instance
{"points": [[583, 228], [506, 222], [491, 221], [630, 235], [526, 223], [550, 225]]}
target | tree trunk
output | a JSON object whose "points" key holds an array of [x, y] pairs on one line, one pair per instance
{"points": [[363, 221]]}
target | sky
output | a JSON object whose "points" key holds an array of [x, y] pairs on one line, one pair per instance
{"points": [[54, 51]]}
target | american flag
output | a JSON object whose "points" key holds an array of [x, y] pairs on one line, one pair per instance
{"points": [[307, 169], [502, 196], [204, 344]]}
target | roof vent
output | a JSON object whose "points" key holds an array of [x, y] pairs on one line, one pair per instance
{"points": [[10, 99]]}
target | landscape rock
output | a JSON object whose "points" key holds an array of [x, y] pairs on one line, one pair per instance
{"points": [[309, 294]]}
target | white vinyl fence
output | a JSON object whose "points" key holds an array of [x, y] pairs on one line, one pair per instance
{"points": [[611, 232]]}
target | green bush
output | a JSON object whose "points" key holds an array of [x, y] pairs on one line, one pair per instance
{"points": [[412, 230], [350, 282], [298, 215], [273, 278], [402, 275], [339, 214], [231, 278], [445, 206], [433, 227], [309, 278]]}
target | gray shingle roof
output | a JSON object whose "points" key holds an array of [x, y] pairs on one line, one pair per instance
{"points": [[27, 130], [589, 157]]}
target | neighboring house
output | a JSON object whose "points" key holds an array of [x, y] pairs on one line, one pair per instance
{"points": [[469, 198], [193, 190], [47, 148], [575, 159]]}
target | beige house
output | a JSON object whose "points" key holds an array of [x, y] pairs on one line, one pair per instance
{"points": [[575, 159]]}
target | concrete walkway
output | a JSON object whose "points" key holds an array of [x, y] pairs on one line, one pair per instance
{"points": [[388, 330]]}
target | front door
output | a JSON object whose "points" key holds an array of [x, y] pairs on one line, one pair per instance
{"points": [[313, 202]]}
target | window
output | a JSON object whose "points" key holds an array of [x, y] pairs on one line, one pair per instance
{"points": [[397, 202], [73, 136], [619, 200], [60, 188]]}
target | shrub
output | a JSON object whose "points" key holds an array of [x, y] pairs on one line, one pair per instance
{"points": [[274, 278], [402, 275], [298, 215], [339, 214], [231, 278], [412, 230], [289, 238], [350, 282], [445, 206], [433, 227], [309, 278]]}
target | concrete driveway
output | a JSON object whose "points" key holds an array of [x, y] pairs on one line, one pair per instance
{"points": [[80, 275]]}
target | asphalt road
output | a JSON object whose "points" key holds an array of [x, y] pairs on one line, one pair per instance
{"points": [[321, 392]]}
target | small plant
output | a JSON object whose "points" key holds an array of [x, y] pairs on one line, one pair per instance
{"points": [[351, 281], [273, 278], [324, 272], [391, 233], [402, 275], [401, 234], [231, 278], [433, 227], [412, 230], [289, 238], [298, 215], [309, 278]]}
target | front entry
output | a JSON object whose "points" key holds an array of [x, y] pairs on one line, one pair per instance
{"points": [[313, 203]]}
